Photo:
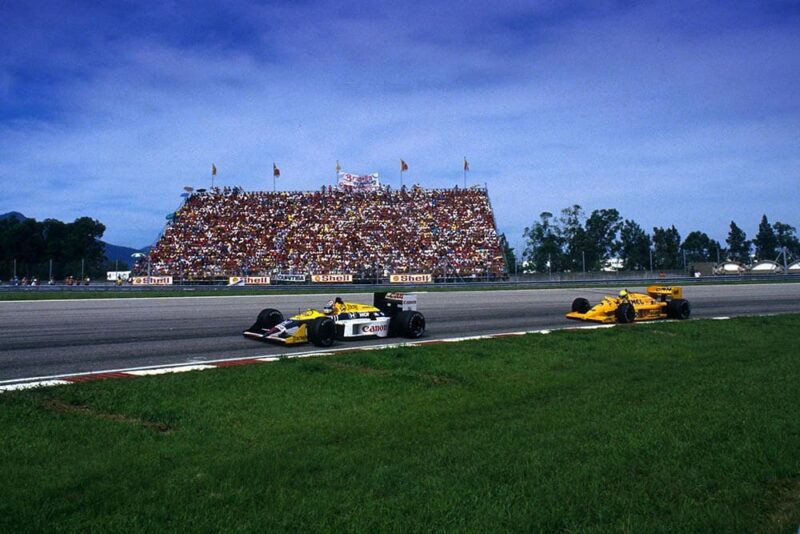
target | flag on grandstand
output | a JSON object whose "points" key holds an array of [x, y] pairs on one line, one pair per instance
{"points": [[275, 170], [213, 170], [403, 166], [466, 165], [338, 167]]}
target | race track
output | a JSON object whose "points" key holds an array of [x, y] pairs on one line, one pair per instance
{"points": [[48, 338]]}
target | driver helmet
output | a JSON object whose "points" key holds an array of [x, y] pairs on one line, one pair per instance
{"points": [[334, 306], [623, 293]]}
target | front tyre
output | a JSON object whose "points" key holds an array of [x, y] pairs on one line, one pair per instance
{"points": [[409, 324], [625, 313], [321, 331], [267, 318], [581, 305]]}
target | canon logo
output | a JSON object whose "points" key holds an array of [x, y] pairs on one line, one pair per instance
{"points": [[374, 328]]}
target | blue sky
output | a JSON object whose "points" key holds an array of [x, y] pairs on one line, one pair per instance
{"points": [[682, 113]]}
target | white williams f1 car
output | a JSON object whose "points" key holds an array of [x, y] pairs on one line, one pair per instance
{"points": [[391, 314]]}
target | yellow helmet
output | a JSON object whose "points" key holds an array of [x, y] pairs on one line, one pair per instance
{"points": [[623, 293]]}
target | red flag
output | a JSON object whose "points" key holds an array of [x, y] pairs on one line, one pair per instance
{"points": [[403, 166], [213, 170], [275, 170]]}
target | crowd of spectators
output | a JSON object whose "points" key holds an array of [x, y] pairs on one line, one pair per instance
{"points": [[226, 232]]}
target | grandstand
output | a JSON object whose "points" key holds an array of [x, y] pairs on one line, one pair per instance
{"points": [[444, 232]]}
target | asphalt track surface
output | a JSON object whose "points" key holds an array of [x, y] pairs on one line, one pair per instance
{"points": [[62, 337]]}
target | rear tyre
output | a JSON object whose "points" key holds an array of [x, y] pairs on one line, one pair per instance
{"points": [[321, 331], [625, 313], [679, 309], [410, 324], [581, 305]]}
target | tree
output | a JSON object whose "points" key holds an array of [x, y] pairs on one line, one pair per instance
{"points": [[738, 245], [633, 246], [602, 227], [666, 248], [766, 242], [508, 254], [82, 240], [786, 237], [574, 239], [543, 244], [699, 247]]}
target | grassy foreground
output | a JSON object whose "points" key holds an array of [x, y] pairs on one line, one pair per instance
{"points": [[689, 426]]}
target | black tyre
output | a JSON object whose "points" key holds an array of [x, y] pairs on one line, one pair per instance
{"points": [[625, 313], [679, 309], [321, 331], [266, 319], [269, 317], [581, 305], [410, 324]]}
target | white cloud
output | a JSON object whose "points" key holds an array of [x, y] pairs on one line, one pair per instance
{"points": [[616, 109]]}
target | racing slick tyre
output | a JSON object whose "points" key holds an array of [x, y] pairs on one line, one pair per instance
{"points": [[321, 331], [625, 313], [410, 324], [679, 309], [266, 319], [581, 305]]}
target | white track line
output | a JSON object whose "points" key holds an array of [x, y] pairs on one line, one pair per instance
{"points": [[31, 385]]}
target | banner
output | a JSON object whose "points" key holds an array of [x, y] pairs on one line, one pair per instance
{"points": [[248, 280], [295, 278], [152, 280], [113, 276], [411, 278], [358, 183], [332, 278]]}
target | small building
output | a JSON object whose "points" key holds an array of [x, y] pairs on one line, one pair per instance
{"points": [[766, 267], [794, 267], [729, 267]]}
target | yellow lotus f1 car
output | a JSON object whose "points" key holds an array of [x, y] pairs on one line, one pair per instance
{"points": [[391, 314], [660, 302]]}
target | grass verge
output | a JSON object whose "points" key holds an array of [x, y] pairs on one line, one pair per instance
{"points": [[670, 426]]}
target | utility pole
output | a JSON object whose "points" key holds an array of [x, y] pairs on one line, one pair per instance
{"points": [[785, 266]]}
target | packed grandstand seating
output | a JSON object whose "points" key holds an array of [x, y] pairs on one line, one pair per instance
{"points": [[233, 232]]}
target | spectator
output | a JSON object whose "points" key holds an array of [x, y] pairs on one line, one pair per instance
{"points": [[412, 230]]}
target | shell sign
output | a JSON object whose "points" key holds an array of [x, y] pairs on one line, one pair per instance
{"points": [[411, 278], [332, 278]]}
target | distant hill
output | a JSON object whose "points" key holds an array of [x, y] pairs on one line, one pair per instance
{"points": [[118, 253], [13, 215]]}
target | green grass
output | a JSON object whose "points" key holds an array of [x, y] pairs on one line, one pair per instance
{"points": [[691, 426]]}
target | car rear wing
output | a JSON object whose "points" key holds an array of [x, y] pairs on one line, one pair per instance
{"points": [[665, 291], [391, 303]]}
